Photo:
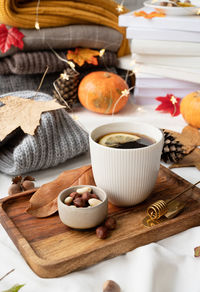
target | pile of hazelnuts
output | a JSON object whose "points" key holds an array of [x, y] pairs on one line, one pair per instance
{"points": [[84, 197], [102, 231], [20, 184]]}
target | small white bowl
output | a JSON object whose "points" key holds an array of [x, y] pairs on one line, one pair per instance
{"points": [[82, 218], [174, 11]]}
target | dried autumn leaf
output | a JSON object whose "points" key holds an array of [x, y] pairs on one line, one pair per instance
{"points": [[169, 104], [148, 15], [189, 138], [44, 202], [192, 159], [81, 55], [26, 113], [155, 14], [197, 251], [9, 37]]}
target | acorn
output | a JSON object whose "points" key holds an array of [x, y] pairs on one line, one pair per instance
{"points": [[14, 189], [28, 185], [20, 184]]}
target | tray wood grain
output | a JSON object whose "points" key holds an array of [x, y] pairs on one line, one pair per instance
{"points": [[52, 249]]}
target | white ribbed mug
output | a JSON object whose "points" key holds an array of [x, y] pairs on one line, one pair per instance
{"points": [[126, 175]]}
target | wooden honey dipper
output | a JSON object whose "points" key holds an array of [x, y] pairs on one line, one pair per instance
{"points": [[160, 208]]}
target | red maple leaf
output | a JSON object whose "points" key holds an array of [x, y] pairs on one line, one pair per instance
{"points": [[169, 104], [9, 37]]}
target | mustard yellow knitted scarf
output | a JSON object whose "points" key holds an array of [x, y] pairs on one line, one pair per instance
{"points": [[52, 13]]}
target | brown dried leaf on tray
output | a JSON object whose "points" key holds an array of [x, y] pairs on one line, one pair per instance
{"points": [[192, 159], [27, 114], [44, 202]]}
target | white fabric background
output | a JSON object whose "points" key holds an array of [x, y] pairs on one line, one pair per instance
{"points": [[165, 266]]}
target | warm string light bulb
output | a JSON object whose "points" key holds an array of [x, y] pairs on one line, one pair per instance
{"points": [[64, 76], [198, 11], [101, 52], [125, 92], [173, 101], [37, 25], [120, 7]]}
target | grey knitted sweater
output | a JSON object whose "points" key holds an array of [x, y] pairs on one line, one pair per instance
{"points": [[37, 62], [57, 139]]}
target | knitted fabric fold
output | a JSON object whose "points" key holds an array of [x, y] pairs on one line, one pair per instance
{"points": [[37, 62], [71, 36], [57, 139], [61, 13], [15, 82]]}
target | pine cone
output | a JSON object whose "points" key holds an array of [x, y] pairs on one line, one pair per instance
{"points": [[67, 86], [172, 150]]}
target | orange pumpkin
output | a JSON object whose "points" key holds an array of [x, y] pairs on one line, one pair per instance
{"points": [[102, 92], [190, 108]]}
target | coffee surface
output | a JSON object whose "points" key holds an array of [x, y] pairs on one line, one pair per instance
{"points": [[125, 140]]}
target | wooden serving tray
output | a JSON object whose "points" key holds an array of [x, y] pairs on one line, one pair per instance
{"points": [[53, 249]]}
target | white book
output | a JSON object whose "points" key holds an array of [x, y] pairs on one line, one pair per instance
{"points": [[183, 23], [155, 81], [172, 48], [155, 92], [126, 62], [186, 74], [139, 33], [167, 60]]}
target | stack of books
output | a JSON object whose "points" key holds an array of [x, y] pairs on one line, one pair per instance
{"points": [[166, 53]]}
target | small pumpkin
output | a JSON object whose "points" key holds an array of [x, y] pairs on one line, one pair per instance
{"points": [[190, 108], [102, 92]]}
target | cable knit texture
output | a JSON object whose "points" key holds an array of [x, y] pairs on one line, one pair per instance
{"points": [[57, 139], [37, 62]]}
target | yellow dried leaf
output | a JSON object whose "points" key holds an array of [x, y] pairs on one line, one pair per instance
{"points": [[24, 113], [82, 55]]}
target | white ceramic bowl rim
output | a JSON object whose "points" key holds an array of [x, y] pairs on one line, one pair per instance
{"points": [[134, 123], [83, 209]]}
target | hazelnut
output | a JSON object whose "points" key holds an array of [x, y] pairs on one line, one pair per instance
{"points": [[110, 223], [79, 202], [111, 286], [94, 196], [102, 232], [14, 189], [28, 185], [163, 3], [86, 196], [74, 195]]}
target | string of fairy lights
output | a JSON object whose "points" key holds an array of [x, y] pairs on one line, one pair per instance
{"points": [[66, 76]]}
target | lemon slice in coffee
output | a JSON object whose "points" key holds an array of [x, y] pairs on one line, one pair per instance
{"points": [[117, 139]]}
